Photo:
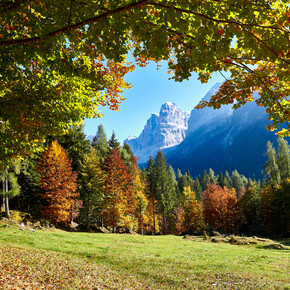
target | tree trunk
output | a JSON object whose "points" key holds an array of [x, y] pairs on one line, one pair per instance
{"points": [[154, 226], [141, 222], [3, 198], [7, 213], [164, 223]]}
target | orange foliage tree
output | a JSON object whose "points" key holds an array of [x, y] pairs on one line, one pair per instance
{"points": [[119, 205], [219, 207], [59, 184]]}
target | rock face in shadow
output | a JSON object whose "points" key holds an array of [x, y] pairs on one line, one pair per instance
{"points": [[224, 139]]}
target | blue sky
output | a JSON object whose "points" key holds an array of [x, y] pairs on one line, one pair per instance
{"points": [[151, 88]]}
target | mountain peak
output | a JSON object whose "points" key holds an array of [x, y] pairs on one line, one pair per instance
{"points": [[163, 130]]}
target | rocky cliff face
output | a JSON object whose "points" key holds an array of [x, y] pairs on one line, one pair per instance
{"points": [[163, 130]]}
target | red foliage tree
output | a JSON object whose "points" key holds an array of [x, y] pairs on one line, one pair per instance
{"points": [[59, 184], [219, 207]]}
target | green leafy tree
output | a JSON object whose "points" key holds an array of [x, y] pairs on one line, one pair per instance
{"points": [[10, 188], [92, 188]]}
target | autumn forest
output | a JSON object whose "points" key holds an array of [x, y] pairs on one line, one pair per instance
{"points": [[98, 186]]}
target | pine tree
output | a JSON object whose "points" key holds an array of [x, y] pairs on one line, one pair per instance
{"points": [[211, 176], [179, 174], [113, 142], [248, 217], [59, 183], [151, 173], [165, 191], [198, 189], [76, 146], [220, 180], [126, 154], [227, 180], [237, 182], [283, 159], [204, 180], [100, 143], [271, 167]]}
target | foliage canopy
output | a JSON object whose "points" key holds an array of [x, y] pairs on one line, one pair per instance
{"points": [[61, 60]]}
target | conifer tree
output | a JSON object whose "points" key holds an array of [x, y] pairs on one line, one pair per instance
{"points": [[198, 189], [237, 182], [204, 180], [220, 180], [283, 158], [76, 146], [211, 176], [113, 142], [271, 167], [276, 208], [59, 183], [166, 193], [100, 143], [227, 180], [151, 173], [179, 174], [248, 217], [126, 154]]}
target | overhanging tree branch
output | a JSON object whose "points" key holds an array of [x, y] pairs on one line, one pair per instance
{"points": [[27, 41]]}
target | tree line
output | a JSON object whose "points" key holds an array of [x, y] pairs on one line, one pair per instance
{"points": [[98, 184]]}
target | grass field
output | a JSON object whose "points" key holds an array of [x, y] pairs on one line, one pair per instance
{"points": [[62, 260]]}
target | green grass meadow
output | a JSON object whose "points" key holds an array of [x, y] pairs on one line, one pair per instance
{"points": [[64, 260]]}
